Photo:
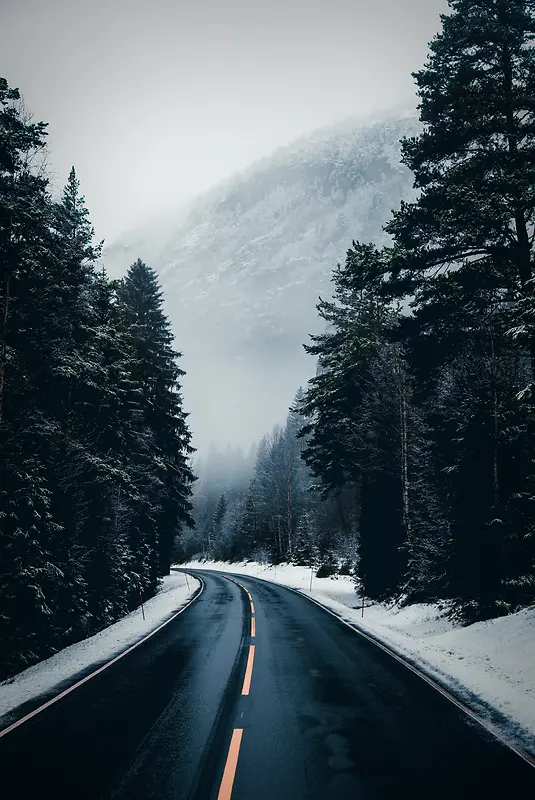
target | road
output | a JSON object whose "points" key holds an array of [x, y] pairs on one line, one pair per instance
{"points": [[292, 706]]}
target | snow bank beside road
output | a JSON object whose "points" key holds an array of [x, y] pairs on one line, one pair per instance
{"points": [[47, 676], [489, 665]]}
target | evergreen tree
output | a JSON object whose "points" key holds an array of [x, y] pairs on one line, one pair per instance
{"points": [[355, 321], [166, 507], [474, 162], [94, 446], [69, 383], [305, 551], [219, 517], [247, 534], [464, 249], [343, 441], [28, 574], [24, 216]]}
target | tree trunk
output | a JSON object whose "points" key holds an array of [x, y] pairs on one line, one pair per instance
{"points": [[289, 500], [3, 348], [523, 245], [495, 482], [404, 458]]}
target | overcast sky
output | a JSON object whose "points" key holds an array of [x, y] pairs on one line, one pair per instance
{"points": [[154, 101]]}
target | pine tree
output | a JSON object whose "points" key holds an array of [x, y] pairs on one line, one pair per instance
{"points": [[166, 506], [94, 446], [464, 251], [342, 440], [69, 382], [247, 535], [356, 321], [219, 517], [24, 215], [28, 573], [305, 551], [474, 161]]}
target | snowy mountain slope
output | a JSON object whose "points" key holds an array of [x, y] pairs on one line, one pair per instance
{"points": [[243, 266]]}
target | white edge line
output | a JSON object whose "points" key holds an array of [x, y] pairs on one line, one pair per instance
{"points": [[114, 660], [527, 757]]}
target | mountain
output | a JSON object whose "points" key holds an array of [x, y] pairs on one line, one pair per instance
{"points": [[242, 268]]}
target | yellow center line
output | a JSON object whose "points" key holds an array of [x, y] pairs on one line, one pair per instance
{"points": [[248, 671], [252, 607], [253, 627], [246, 590], [225, 790]]}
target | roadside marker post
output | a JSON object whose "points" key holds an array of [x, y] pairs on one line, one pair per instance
{"points": [[363, 592]]}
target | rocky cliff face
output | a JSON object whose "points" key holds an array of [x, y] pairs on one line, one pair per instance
{"points": [[243, 266]]}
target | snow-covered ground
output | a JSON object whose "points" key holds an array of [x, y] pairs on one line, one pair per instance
{"points": [[48, 676], [489, 665]]}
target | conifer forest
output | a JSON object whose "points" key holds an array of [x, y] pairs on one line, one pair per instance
{"points": [[95, 480], [408, 459]]}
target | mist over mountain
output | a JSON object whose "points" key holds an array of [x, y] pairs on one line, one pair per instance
{"points": [[243, 265]]}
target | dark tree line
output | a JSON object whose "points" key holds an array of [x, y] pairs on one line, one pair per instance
{"points": [[419, 426], [265, 507], [94, 445], [432, 396]]}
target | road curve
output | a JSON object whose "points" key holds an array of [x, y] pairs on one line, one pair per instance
{"points": [[255, 693]]}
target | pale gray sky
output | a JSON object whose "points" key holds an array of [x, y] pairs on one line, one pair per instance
{"points": [[154, 101]]}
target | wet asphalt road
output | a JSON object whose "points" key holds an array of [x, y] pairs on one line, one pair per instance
{"points": [[328, 715]]}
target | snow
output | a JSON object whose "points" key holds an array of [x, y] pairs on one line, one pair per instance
{"points": [[61, 669], [489, 665]]}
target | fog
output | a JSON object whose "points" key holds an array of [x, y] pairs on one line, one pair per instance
{"points": [[154, 103], [243, 272]]}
